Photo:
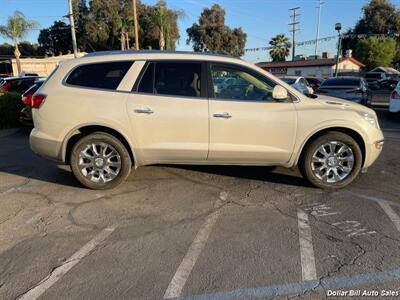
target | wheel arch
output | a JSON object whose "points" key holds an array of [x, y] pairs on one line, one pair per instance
{"points": [[87, 129], [351, 132]]}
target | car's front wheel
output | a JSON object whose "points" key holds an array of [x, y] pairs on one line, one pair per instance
{"points": [[100, 161], [331, 161]]}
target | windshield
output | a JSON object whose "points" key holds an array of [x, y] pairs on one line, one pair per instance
{"points": [[341, 81], [289, 80]]}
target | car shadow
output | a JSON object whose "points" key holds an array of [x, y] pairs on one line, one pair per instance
{"points": [[261, 173]]}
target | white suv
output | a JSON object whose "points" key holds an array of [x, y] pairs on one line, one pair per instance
{"points": [[108, 111]]}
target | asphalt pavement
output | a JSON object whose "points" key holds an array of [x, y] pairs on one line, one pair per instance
{"points": [[197, 232]]}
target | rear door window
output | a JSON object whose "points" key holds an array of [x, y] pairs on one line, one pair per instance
{"points": [[172, 78], [99, 75]]}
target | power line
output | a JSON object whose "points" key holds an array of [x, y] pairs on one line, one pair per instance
{"points": [[294, 24]]}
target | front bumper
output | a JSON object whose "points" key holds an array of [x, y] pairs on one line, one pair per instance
{"points": [[394, 105], [45, 145], [373, 151]]}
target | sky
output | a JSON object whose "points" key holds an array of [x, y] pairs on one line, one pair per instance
{"points": [[260, 19]]}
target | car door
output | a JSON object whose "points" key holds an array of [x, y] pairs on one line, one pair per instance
{"points": [[168, 111], [246, 124]]}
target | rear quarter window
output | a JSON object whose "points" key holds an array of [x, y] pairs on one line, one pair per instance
{"points": [[99, 75]]}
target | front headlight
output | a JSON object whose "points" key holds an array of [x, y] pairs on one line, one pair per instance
{"points": [[370, 118]]}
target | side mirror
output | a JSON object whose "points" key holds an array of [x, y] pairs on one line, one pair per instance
{"points": [[279, 93]]}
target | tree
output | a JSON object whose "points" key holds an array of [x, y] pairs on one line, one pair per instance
{"points": [[280, 47], [16, 28], [56, 39], [103, 24], [80, 11], [375, 52], [379, 17], [165, 21], [211, 34]]}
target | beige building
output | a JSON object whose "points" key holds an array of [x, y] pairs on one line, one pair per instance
{"points": [[324, 67], [41, 66]]}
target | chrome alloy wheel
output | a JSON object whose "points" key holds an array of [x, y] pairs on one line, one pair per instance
{"points": [[99, 162], [332, 162]]}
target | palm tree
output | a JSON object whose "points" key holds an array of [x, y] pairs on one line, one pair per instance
{"points": [[280, 47], [163, 19], [16, 28]]}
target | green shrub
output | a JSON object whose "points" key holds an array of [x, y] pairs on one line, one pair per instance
{"points": [[10, 107]]}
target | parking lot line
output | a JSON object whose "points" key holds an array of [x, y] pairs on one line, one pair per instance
{"points": [[391, 214], [60, 271], [308, 271], [185, 268]]}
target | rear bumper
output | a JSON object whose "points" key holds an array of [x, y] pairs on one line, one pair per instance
{"points": [[45, 145], [394, 105]]}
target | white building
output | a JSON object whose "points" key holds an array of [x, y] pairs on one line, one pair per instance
{"points": [[41, 66], [323, 68]]}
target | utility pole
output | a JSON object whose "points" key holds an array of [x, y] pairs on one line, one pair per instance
{"points": [[294, 29], [136, 25], [72, 24], [318, 22], [338, 27]]}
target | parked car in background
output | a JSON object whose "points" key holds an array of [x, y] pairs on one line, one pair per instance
{"points": [[394, 102], [299, 83], [17, 84], [314, 82], [376, 80], [346, 87], [25, 117], [107, 113]]}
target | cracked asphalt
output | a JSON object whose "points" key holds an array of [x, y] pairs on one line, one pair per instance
{"points": [[251, 252]]}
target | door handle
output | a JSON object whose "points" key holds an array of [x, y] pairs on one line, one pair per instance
{"points": [[143, 111], [223, 115]]}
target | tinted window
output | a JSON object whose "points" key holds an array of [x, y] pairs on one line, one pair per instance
{"points": [[100, 75], [341, 81], [147, 82], [168, 78], [180, 79], [21, 85], [241, 85], [373, 75], [289, 80]]}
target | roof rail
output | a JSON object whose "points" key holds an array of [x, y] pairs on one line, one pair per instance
{"points": [[116, 52]]}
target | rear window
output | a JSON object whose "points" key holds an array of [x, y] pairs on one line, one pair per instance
{"points": [[100, 75], [341, 81], [371, 75], [289, 80]]}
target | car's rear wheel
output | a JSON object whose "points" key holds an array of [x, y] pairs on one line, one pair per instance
{"points": [[100, 161], [331, 161]]}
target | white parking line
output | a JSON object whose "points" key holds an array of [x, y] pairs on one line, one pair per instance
{"points": [[308, 270], [185, 268], [60, 271], [391, 214]]}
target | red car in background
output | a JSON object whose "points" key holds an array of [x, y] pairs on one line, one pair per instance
{"points": [[25, 117]]}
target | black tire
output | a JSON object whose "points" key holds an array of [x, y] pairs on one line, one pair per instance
{"points": [[101, 137], [305, 163]]}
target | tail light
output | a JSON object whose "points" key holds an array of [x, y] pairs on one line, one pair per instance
{"points": [[5, 87], [27, 99], [37, 100], [394, 95]]}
